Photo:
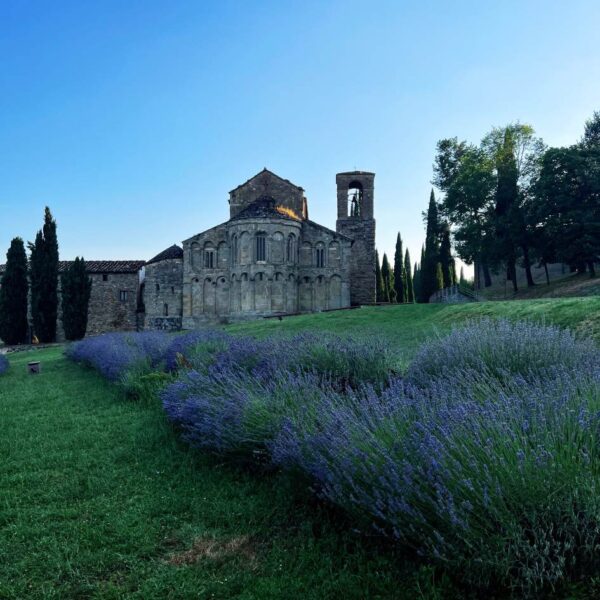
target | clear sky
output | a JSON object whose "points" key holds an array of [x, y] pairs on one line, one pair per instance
{"points": [[132, 120]]}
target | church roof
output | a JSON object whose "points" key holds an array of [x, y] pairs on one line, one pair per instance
{"points": [[265, 170], [101, 266], [265, 207], [173, 252]]}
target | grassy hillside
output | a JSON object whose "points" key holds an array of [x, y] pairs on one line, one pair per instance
{"points": [[408, 325], [564, 286]]}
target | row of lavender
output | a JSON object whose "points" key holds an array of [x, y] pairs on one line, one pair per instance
{"points": [[483, 457]]}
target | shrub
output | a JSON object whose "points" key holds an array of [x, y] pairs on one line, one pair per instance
{"points": [[4, 364], [199, 345], [113, 354], [230, 411], [502, 491], [499, 348]]}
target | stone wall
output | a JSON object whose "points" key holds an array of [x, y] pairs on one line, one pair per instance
{"points": [[108, 310], [267, 183], [163, 294]]}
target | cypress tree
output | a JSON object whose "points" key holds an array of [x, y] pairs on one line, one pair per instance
{"points": [[378, 279], [439, 277], [387, 279], [410, 292], [432, 251], [446, 259], [76, 288], [417, 283], [14, 287], [400, 273], [44, 280]]}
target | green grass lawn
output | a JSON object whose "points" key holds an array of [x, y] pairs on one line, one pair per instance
{"points": [[100, 500]]}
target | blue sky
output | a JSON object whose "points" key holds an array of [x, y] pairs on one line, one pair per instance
{"points": [[132, 120]]}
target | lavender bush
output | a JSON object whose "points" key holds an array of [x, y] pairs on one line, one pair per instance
{"points": [[115, 354], [503, 492], [4, 364], [500, 348]]}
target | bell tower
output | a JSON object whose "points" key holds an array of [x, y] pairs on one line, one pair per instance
{"points": [[355, 219]]}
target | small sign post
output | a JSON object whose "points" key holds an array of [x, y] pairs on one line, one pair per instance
{"points": [[34, 367]]}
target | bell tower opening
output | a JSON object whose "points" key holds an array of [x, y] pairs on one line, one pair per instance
{"points": [[355, 196]]}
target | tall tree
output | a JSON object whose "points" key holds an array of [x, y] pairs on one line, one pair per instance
{"points": [[44, 280], [446, 258], [378, 279], [386, 276], [591, 135], [568, 205], [410, 291], [14, 288], [400, 274], [439, 277], [462, 282], [432, 250], [76, 288]]}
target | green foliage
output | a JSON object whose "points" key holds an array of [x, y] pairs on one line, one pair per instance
{"points": [[446, 258], [410, 292], [379, 289], [387, 278], [14, 287], [591, 135], [568, 206], [431, 256], [44, 280], [439, 277], [400, 273], [76, 288]]}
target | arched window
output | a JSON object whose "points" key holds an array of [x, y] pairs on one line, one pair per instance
{"points": [[261, 247], [157, 288], [291, 249], [166, 310], [355, 196], [320, 248], [234, 250], [209, 258]]}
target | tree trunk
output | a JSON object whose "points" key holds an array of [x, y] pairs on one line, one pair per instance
{"points": [[546, 270], [512, 274], [592, 268], [487, 278], [527, 265]]}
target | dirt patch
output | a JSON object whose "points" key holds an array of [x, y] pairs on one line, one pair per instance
{"points": [[215, 550]]}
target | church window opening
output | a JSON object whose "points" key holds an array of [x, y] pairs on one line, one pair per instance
{"points": [[291, 249], [172, 289], [320, 256], [123, 295], [355, 197], [261, 247], [157, 288], [104, 277], [234, 250], [166, 310], [209, 259]]}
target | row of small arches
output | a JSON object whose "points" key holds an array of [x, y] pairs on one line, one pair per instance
{"points": [[274, 249], [280, 294]]}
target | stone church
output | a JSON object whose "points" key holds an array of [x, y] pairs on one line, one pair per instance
{"points": [[268, 259]]}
